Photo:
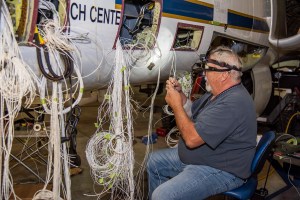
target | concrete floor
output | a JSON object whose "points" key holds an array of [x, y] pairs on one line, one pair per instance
{"points": [[83, 187]]}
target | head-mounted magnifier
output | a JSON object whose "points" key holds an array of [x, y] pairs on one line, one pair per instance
{"points": [[221, 64]]}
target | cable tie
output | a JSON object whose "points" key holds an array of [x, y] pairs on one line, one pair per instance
{"points": [[188, 77], [107, 97], [107, 136], [43, 101], [101, 180], [123, 68], [112, 175], [81, 90]]}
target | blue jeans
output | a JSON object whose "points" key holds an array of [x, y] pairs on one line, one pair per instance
{"points": [[170, 179]]}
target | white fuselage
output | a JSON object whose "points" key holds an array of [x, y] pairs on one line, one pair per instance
{"points": [[101, 22], [87, 17]]}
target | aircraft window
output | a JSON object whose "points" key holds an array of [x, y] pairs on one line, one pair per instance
{"points": [[139, 24], [187, 37]]}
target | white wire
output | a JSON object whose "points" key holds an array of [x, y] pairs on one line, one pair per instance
{"points": [[56, 41], [16, 81], [172, 143], [288, 175], [166, 110], [139, 179], [110, 153], [45, 101]]}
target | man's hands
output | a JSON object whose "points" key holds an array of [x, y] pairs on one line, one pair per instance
{"points": [[175, 84], [174, 97]]}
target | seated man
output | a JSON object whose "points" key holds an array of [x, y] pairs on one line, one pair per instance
{"points": [[218, 136]]}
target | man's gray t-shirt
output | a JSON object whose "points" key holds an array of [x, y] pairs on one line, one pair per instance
{"points": [[227, 124]]}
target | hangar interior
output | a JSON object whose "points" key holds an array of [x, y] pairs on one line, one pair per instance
{"points": [[113, 53], [83, 186]]}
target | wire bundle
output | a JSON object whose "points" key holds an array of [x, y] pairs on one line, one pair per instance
{"points": [[141, 49], [172, 137], [57, 48], [110, 153], [185, 80], [16, 81], [62, 60]]}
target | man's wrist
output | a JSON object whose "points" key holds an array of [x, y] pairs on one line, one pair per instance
{"points": [[184, 100], [178, 89]]}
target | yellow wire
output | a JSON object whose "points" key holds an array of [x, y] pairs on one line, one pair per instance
{"points": [[288, 124]]}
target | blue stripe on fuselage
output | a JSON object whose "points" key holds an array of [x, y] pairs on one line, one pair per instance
{"points": [[187, 9], [247, 22]]}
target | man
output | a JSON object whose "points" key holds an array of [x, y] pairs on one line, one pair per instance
{"points": [[218, 136]]}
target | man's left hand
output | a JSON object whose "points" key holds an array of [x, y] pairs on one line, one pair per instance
{"points": [[173, 97]]}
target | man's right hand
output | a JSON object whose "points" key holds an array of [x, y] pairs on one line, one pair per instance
{"points": [[175, 84], [172, 82]]}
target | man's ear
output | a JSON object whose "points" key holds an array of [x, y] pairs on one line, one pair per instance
{"points": [[224, 76]]}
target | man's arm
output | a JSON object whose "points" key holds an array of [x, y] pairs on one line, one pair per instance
{"points": [[184, 124], [188, 107], [186, 128]]}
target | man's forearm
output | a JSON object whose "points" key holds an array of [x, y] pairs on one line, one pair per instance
{"points": [[186, 128], [183, 97]]}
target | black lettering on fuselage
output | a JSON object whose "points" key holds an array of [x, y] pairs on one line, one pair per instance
{"points": [[97, 14], [78, 11], [93, 8], [73, 10], [82, 11], [106, 16], [118, 16], [99, 19]]}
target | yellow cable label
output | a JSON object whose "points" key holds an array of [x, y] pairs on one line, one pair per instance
{"points": [[107, 97], [43, 101], [123, 69]]}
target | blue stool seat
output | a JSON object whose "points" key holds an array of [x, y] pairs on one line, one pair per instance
{"points": [[247, 190], [243, 192]]}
